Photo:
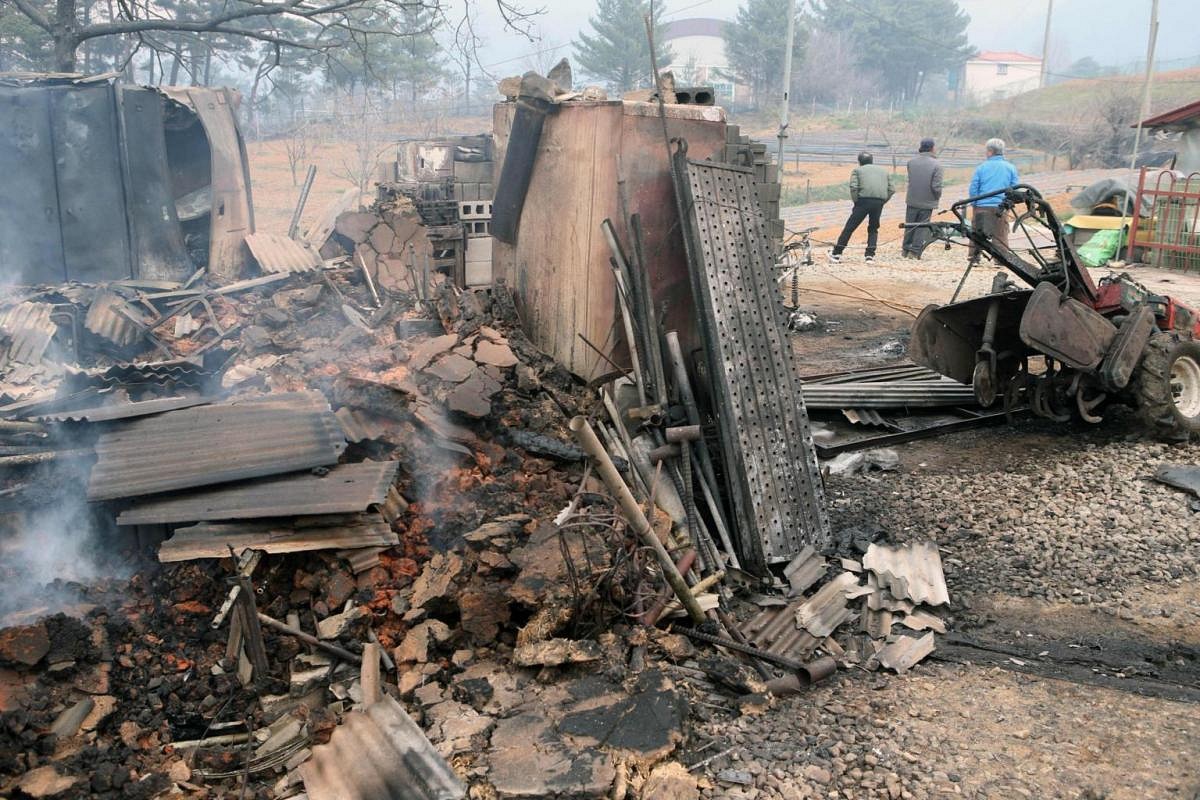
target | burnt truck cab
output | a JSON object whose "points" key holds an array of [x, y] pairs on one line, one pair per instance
{"points": [[107, 181]]}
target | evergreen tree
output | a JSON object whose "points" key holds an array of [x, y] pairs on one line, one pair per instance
{"points": [[755, 44], [902, 41], [616, 51]]}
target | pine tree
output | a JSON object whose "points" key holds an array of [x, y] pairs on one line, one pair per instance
{"points": [[617, 52], [901, 41], [755, 44]]}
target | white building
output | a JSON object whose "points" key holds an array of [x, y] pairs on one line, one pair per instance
{"points": [[996, 74], [698, 48]]}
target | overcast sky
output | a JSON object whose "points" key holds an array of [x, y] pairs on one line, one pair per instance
{"points": [[1111, 31]]}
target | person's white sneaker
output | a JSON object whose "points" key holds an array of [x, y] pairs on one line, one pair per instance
{"points": [[870, 259], [835, 258]]}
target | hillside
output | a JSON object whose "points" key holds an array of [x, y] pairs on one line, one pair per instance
{"points": [[1077, 101]]}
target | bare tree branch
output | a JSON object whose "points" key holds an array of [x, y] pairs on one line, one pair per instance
{"points": [[35, 16]]}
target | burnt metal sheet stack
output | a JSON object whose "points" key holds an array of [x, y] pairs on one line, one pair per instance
{"points": [[265, 468], [769, 457]]}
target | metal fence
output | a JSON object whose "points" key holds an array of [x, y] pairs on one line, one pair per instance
{"points": [[1170, 237]]}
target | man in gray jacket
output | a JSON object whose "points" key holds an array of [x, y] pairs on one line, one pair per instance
{"points": [[924, 194], [870, 187]]}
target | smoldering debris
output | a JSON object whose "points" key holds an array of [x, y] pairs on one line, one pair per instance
{"points": [[377, 542]]}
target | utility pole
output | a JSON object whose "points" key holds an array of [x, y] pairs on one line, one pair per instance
{"points": [[1046, 44], [787, 81], [1144, 111]]}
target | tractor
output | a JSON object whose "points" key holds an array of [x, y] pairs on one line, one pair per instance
{"points": [[1063, 343]]}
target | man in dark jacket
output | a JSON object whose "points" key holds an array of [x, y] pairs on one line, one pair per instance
{"points": [[870, 187], [924, 194]]}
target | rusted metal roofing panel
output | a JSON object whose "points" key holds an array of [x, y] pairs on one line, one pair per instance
{"points": [[108, 413], [343, 489], [822, 613], [215, 539], [912, 571], [30, 328], [775, 630], [181, 372], [111, 316], [379, 752], [207, 445], [1175, 118], [275, 252]]}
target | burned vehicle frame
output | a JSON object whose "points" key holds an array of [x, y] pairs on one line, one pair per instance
{"points": [[107, 181], [1112, 340]]}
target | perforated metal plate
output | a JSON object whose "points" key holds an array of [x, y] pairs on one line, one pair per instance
{"points": [[770, 461]]}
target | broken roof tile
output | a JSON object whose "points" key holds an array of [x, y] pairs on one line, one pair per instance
{"points": [[452, 368], [827, 609], [906, 651], [30, 329], [494, 353], [112, 317], [379, 752], [912, 571], [804, 570], [275, 252], [427, 350]]}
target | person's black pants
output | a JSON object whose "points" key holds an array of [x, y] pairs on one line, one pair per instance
{"points": [[868, 208], [915, 238]]}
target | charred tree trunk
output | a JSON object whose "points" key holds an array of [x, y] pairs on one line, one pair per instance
{"points": [[65, 34]]}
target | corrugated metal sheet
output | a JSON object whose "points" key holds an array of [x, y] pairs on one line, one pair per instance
{"points": [[362, 559], [865, 416], [111, 317], [912, 571], [901, 654], [216, 539], [180, 372], [822, 613], [775, 630], [30, 328], [803, 571], [108, 413], [358, 426], [213, 444], [379, 752], [275, 252], [343, 489]]}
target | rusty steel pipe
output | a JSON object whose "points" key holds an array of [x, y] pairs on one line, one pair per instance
{"points": [[804, 677], [633, 514], [650, 617]]}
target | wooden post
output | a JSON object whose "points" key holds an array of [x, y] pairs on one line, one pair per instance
{"points": [[252, 630], [369, 674]]}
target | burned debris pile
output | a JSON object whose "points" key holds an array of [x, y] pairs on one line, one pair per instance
{"points": [[343, 529]]}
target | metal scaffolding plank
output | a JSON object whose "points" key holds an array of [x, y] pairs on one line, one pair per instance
{"points": [[770, 460]]}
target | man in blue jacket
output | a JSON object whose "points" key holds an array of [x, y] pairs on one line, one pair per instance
{"points": [[993, 174]]}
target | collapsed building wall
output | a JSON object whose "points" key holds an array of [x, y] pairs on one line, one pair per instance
{"points": [[104, 181], [597, 161]]}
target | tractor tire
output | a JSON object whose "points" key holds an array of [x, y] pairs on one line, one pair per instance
{"points": [[1167, 386]]}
